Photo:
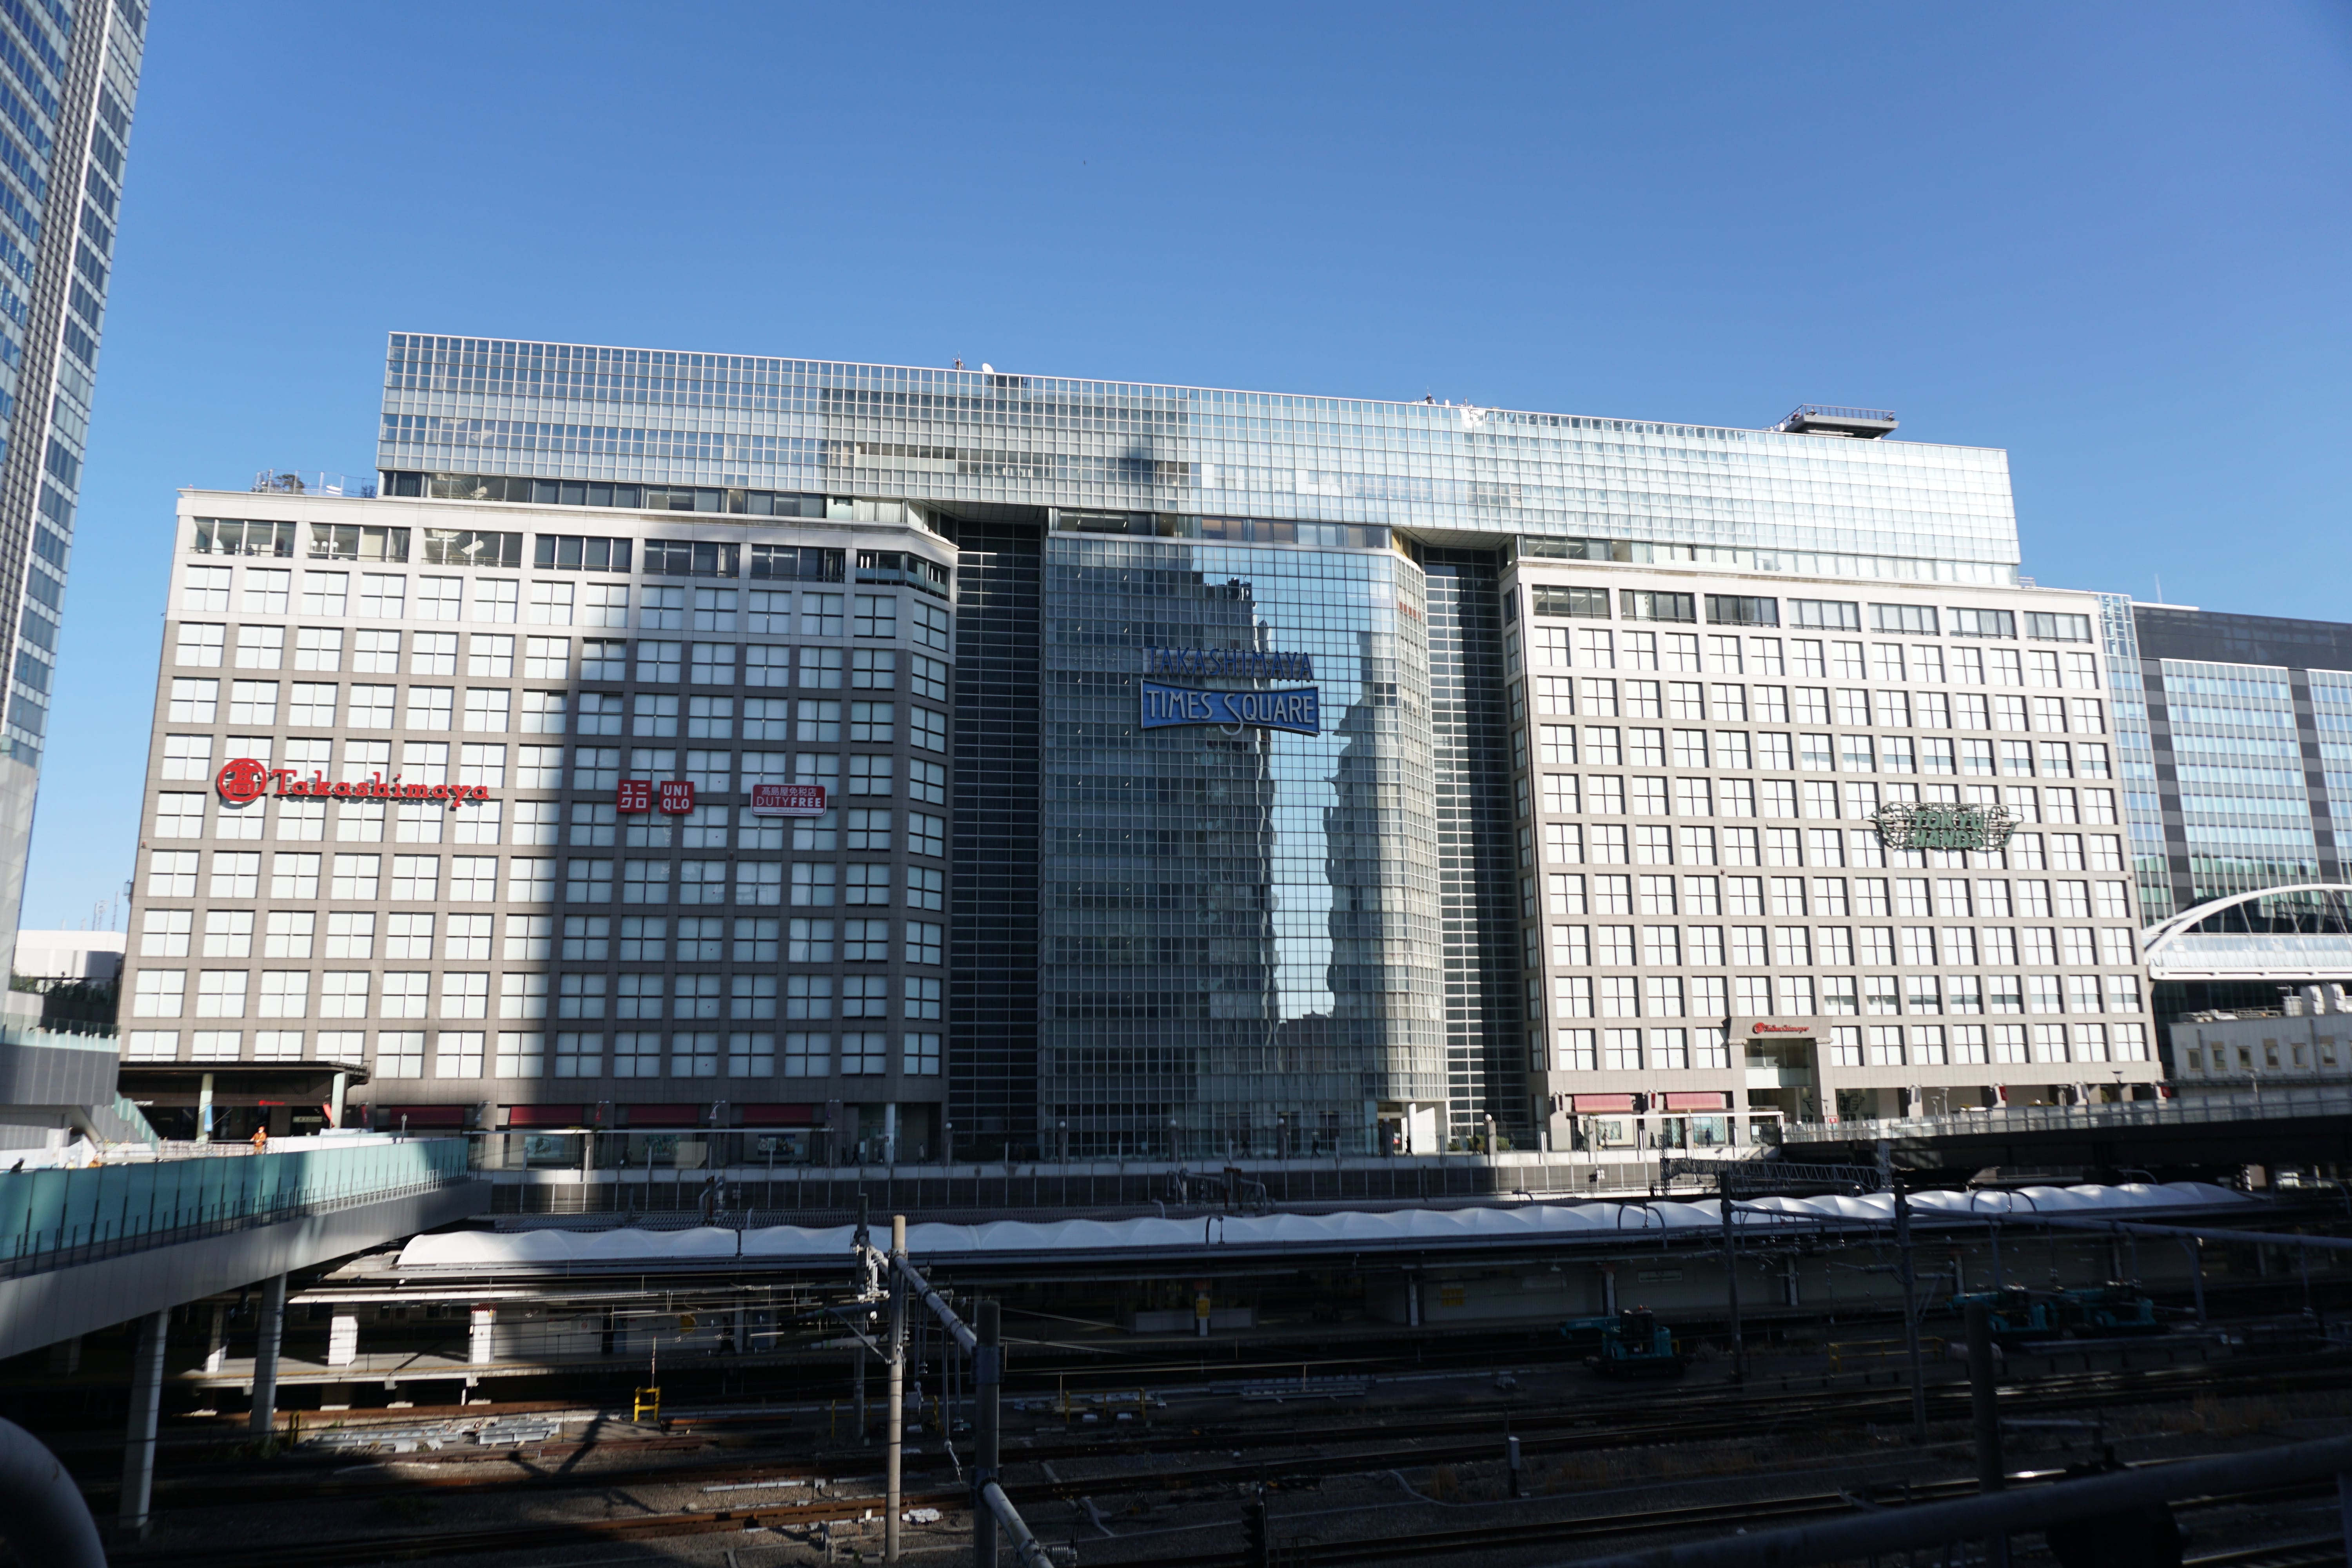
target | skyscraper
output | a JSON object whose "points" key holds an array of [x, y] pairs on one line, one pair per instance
{"points": [[69, 79]]}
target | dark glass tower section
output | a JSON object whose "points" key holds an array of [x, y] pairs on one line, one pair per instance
{"points": [[69, 81], [1470, 742], [992, 930]]}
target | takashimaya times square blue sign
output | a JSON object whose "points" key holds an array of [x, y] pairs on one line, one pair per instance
{"points": [[1297, 708]]}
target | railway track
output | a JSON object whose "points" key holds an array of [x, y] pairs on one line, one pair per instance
{"points": [[1681, 1416]]}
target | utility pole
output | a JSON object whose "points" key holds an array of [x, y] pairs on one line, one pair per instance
{"points": [[1905, 1273], [988, 1375], [898, 1385], [1731, 1278]]}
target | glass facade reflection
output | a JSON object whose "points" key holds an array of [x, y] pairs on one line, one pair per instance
{"points": [[1236, 924]]}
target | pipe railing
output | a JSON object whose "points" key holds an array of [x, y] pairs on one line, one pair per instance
{"points": [[1997, 1516]]}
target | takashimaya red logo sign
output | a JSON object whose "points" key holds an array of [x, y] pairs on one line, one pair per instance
{"points": [[1778, 1029], [242, 780]]}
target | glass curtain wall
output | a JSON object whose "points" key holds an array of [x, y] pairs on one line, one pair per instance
{"points": [[1471, 759], [1239, 950]]}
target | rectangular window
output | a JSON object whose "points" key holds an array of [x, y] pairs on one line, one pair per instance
{"points": [[1738, 610], [1838, 615], [1644, 605], [1563, 603], [1919, 620], [1983, 624]]}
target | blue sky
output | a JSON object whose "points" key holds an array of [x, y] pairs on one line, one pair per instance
{"points": [[2110, 238]]}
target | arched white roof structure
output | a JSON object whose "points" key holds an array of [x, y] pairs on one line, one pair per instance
{"points": [[2174, 949]]}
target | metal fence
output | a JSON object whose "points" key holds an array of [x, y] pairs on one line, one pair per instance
{"points": [[2258, 1105], [56, 1219]]}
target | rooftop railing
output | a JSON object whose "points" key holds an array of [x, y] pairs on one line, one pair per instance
{"points": [[57, 1219]]}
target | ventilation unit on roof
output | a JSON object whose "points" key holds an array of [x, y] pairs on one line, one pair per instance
{"points": [[1822, 419]]}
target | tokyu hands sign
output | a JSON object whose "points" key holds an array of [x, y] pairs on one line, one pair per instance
{"points": [[1905, 826]]}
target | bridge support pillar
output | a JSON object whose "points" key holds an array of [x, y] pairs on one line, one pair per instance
{"points": [[264, 1355], [139, 1439]]}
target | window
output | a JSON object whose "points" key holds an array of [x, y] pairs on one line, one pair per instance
{"points": [[1836, 613], [260, 647], [1643, 605], [863, 1055], [1919, 620], [1983, 624], [265, 589], [579, 553], [438, 598], [712, 663], [344, 994], [932, 628], [821, 615], [400, 1053], [2046, 626], [873, 615], [1737, 610], [926, 888], [383, 595], [253, 702], [579, 1056], [228, 933], [520, 1055], [928, 730], [604, 604], [876, 670], [872, 724], [220, 993], [688, 558], [235, 875], [808, 1055]]}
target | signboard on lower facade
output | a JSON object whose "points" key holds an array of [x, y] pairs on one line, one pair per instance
{"points": [[1298, 709], [787, 800]]}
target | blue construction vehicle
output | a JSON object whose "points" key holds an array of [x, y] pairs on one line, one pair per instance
{"points": [[1634, 1343]]}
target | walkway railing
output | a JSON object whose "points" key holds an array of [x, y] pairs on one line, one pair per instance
{"points": [[57, 1219], [2263, 1105]]}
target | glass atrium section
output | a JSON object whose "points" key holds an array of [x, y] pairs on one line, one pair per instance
{"points": [[1238, 929], [1759, 499], [2244, 806], [2135, 758]]}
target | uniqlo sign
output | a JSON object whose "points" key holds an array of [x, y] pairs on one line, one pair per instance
{"points": [[677, 797], [636, 795]]}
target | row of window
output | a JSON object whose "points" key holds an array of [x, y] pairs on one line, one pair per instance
{"points": [[416, 879], [1611, 795], [190, 758], [1817, 659], [491, 657], [1902, 897], [397, 596], [1598, 697], [1610, 844], [1811, 995], [644, 939], [347, 994], [473, 1053], [1829, 615], [1835, 947], [1850, 1045], [594, 824], [1639, 746], [491, 711]]}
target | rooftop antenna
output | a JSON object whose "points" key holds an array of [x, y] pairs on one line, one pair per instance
{"points": [[2159, 587]]}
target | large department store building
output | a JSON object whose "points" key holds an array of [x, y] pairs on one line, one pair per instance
{"points": [[929, 759]]}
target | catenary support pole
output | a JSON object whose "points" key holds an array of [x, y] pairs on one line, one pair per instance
{"points": [[1982, 1392], [988, 1372], [1732, 1279], [2195, 1248], [1907, 1275], [271, 1335], [138, 1438], [898, 1422]]}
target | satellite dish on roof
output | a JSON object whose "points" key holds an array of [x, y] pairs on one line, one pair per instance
{"points": [[986, 368]]}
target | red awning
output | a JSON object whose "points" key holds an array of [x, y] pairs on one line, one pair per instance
{"points": [[546, 1115], [664, 1115], [779, 1115], [1591, 1104], [1698, 1099], [423, 1115]]}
